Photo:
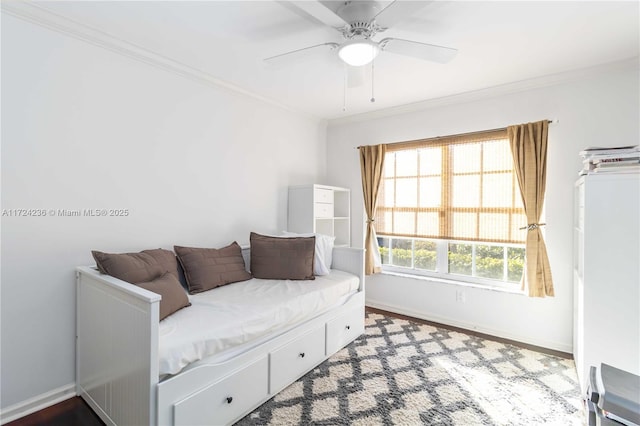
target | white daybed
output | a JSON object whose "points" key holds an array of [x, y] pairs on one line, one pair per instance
{"points": [[117, 354]]}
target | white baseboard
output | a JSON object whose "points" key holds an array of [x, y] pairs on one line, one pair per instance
{"points": [[37, 403], [469, 326]]}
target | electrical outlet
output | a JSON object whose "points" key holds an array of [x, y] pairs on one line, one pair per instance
{"points": [[461, 296]]}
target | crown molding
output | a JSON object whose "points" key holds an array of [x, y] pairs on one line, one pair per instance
{"points": [[46, 18], [492, 92]]}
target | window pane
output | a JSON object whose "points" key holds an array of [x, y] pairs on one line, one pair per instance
{"points": [[388, 193], [497, 190], [406, 192], [518, 221], [464, 225], [428, 223], [407, 163], [384, 221], [490, 262], [425, 255], [430, 161], [515, 257], [401, 252], [494, 226], [383, 244], [497, 156], [390, 165], [404, 223], [465, 158], [430, 192], [466, 191], [460, 259]]}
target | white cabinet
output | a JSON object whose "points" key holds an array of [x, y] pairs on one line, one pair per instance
{"points": [[607, 272], [322, 209]]}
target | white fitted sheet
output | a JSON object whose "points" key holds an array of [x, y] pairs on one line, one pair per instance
{"points": [[238, 313]]}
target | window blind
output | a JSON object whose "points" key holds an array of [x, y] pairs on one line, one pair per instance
{"points": [[455, 188]]}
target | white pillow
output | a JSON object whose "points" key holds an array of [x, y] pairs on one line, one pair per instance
{"points": [[324, 251]]}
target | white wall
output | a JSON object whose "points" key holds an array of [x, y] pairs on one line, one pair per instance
{"points": [[85, 128], [598, 107]]}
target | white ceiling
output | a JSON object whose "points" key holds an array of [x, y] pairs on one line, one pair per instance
{"points": [[498, 43]]}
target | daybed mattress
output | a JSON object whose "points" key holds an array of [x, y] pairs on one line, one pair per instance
{"points": [[232, 315]]}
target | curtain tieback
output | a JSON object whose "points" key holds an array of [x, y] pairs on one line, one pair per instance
{"points": [[532, 226], [369, 220]]}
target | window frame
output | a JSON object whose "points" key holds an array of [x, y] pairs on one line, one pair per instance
{"points": [[446, 212], [442, 264]]}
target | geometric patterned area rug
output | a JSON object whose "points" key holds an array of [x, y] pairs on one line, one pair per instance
{"points": [[401, 372]]}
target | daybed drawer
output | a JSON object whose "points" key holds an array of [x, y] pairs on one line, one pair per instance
{"points": [[344, 328], [223, 402], [292, 360]]}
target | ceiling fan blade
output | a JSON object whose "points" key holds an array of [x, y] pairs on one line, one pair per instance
{"points": [[424, 51], [320, 12], [300, 54], [397, 11]]}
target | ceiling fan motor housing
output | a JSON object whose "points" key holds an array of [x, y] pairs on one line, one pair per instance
{"points": [[358, 29], [360, 16]]}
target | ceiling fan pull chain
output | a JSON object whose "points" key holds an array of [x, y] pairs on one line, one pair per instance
{"points": [[344, 87], [373, 99]]}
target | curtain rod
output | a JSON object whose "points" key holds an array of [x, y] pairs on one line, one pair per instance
{"points": [[464, 134]]}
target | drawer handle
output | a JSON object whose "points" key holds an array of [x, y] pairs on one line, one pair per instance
{"points": [[229, 399], [348, 327], [301, 354]]}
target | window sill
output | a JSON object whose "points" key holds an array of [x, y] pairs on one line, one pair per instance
{"points": [[454, 282]]}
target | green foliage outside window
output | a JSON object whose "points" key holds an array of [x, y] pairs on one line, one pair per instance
{"points": [[425, 259], [403, 248], [489, 259], [515, 257], [425, 252]]}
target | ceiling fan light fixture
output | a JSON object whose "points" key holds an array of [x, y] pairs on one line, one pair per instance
{"points": [[358, 52]]}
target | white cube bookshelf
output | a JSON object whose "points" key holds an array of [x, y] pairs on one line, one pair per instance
{"points": [[321, 209]]}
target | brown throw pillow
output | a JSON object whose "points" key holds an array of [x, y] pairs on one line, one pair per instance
{"points": [[137, 267], [173, 295], [207, 268], [166, 259], [130, 267], [282, 258]]}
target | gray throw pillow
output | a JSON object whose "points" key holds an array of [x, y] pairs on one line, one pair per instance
{"points": [[282, 258], [173, 295], [208, 268], [130, 267]]}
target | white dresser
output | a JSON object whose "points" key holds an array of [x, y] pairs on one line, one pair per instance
{"points": [[322, 209], [607, 272]]}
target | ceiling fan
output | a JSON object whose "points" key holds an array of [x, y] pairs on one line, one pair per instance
{"points": [[359, 22]]}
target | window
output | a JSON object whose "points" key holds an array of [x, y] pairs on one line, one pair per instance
{"points": [[451, 207]]}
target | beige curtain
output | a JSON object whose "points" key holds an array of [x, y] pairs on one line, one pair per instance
{"points": [[371, 168], [529, 149]]}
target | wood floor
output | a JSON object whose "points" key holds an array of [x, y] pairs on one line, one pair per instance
{"points": [[75, 412], [72, 412]]}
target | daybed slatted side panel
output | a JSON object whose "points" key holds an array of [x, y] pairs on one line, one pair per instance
{"points": [[132, 386], [117, 344], [94, 335]]}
